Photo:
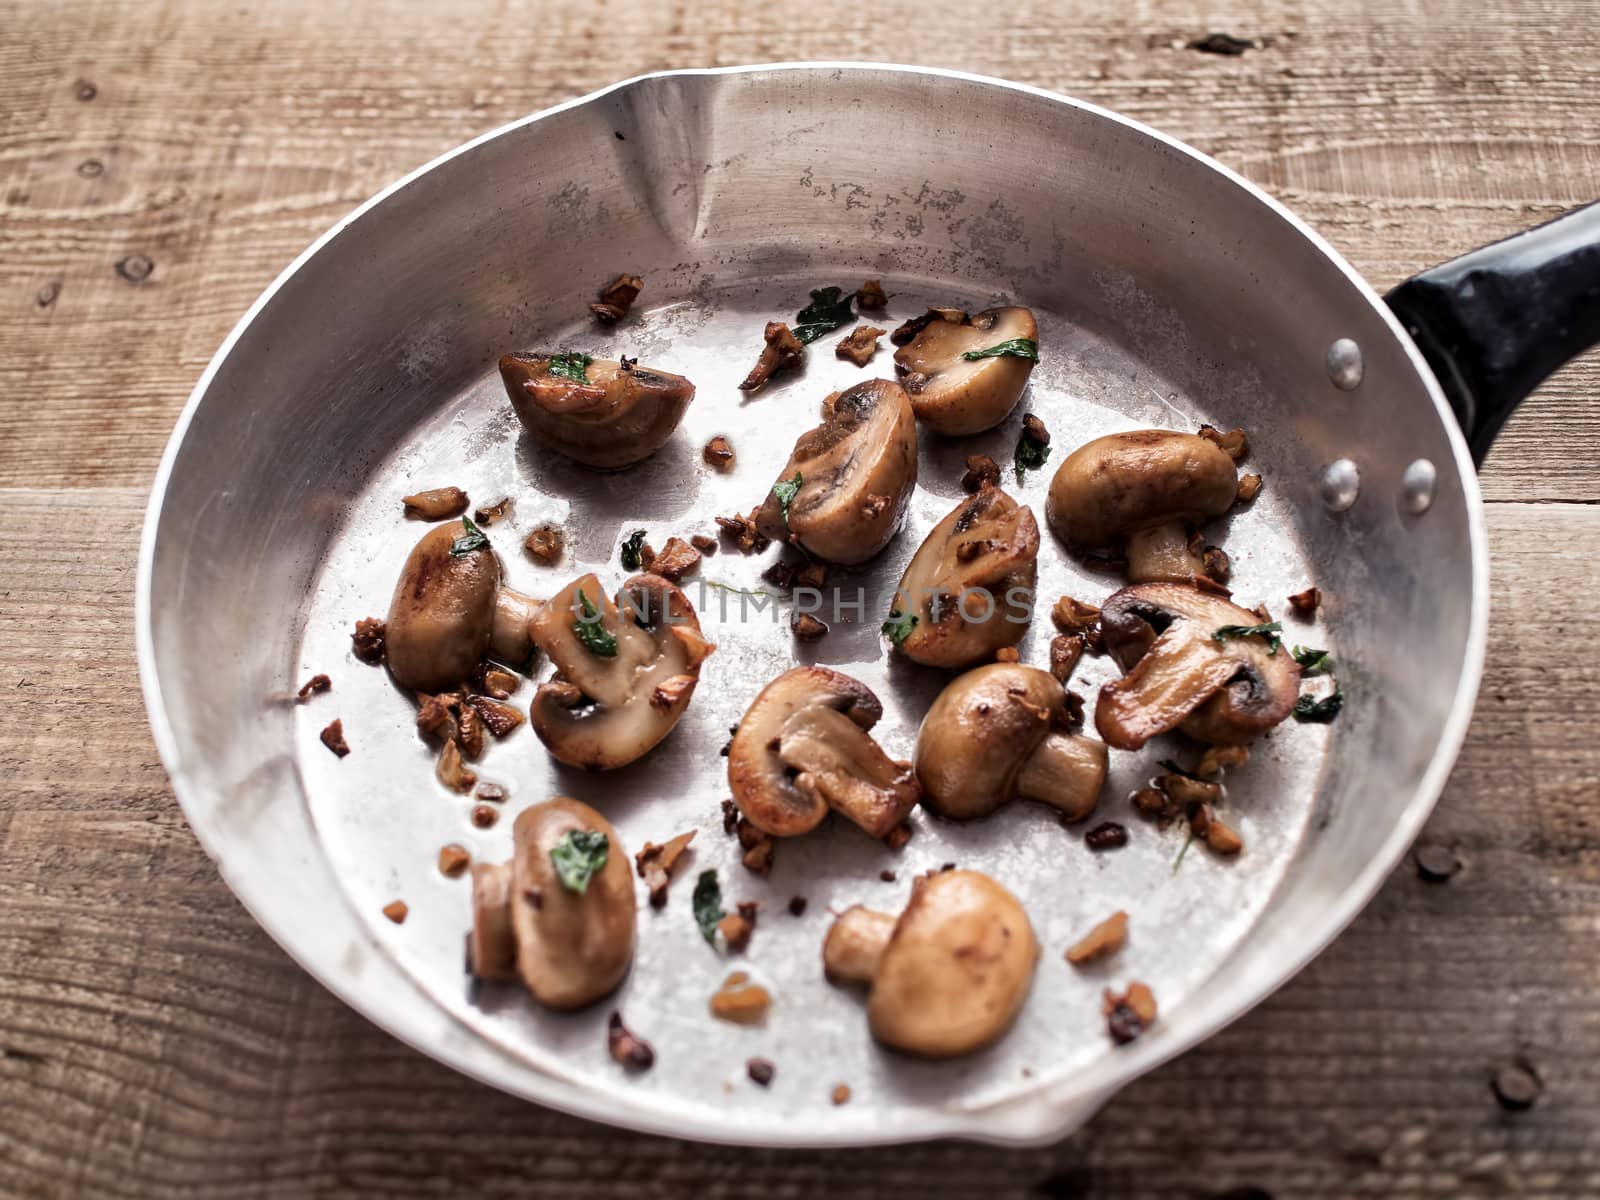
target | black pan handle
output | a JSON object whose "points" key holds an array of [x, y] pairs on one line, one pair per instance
{"points": [[1494, 323]]}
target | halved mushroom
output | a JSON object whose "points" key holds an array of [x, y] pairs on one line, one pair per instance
{"points": [[449, 610], [1147, 486], [1000, 732], [954, 394], [625, 669], [803, 748], [855, 471], [1178, 673], [970, 584], [950, 975], [601, 413], [570, 945]]}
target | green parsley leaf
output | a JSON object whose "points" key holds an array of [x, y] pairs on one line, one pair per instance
{"points": [[596, 640], [1030, 455], [708, 905], [829, 310], [632, 551], [1310, 711], [1015, 348], [1313, 662], [571, 366], [1270, 630], [786, 490], [472, 539], [899, 626], [578, 857]]}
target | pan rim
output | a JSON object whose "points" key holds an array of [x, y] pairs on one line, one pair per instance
{"points": [[1038, 1117]]}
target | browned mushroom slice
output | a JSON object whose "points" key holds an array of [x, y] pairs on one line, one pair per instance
{"points": [[601, 413], [780, 349], [1000, 732], [449, 610], [949, 975], [803, 748], [970, 584], [954, 394], [1178, 674], [625, 669], [1147, 486], [855, 472]]}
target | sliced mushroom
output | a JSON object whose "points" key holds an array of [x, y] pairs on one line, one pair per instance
{"points": [[1147, 487], [970, 584], [1000, 732], [1178, 675], [803, 748], [955, 395], [949, 975], [617, 694], [569, 947], [449, 610], [856, 473], [615, 415]]}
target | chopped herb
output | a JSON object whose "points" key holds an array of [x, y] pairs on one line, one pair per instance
{"points": [[786, 490], [1173, 768], [708, 905], [472, 539], [1178, 862], [1311, 711], [632, 550], [590, 631], [578, 857], [1313, 662], [571, 366], [1030, 455], [899, 626], [829, 310], [1015, 348], [1270, 630], [733, 591]]}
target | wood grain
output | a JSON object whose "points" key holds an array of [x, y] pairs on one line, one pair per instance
{"points": [[154, 1043]]}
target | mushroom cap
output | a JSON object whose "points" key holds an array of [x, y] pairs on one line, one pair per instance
{"points": [[572, 947], [1177, 675], [1129, 481], [957, 396], [802, 748], [1000, 540], [857, 470], [613, 420], [984, 731], [601, 713], [957, 968], [442, 613]]}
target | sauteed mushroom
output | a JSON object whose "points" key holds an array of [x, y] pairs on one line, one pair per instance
{"points": [[949, 975], [601, 413], [1149, 486], [803, 748], [955, 395], [856, 471], [569, 944], [970, 584], [625, 669], [449, 610], [1178, 674], [1000, 732]]}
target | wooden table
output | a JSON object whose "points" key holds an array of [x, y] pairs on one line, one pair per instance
{"points": [[161, 162]]}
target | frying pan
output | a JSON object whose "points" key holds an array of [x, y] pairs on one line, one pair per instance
{"points": [[1170, 292]]}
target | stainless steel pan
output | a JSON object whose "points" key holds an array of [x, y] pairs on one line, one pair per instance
{"points": [[1170, 292]]}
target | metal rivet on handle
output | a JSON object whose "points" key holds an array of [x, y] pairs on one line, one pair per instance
{"points": [[1345, 367], [1417, 485], [1341, 484]]}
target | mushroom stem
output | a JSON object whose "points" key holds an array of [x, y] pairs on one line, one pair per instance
{"points": [[491, 947], [1179, 673], [1161, 554], [510, 641], [855, 945], [840, 764], [1066, 772]]}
